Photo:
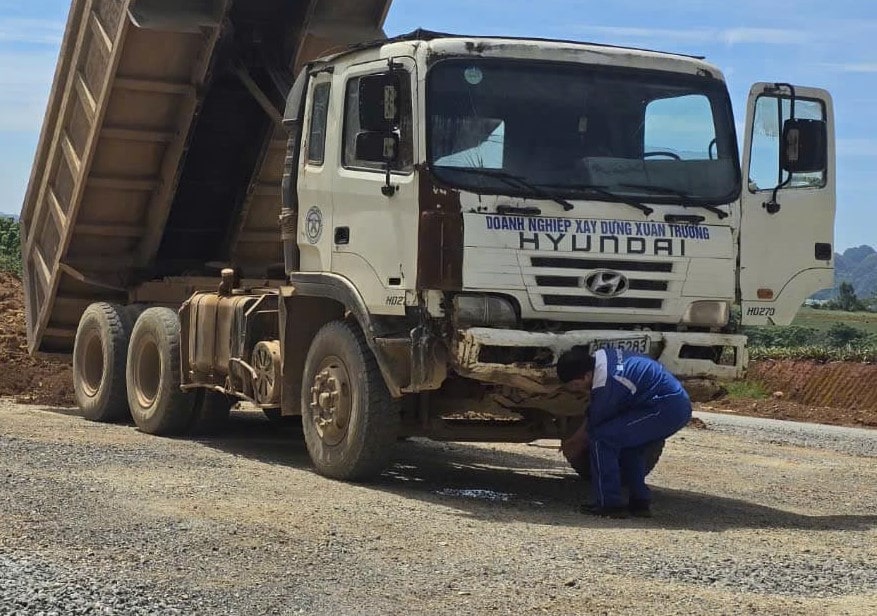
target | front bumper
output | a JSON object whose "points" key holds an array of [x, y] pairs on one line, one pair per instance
{"points": [[526, 360]]}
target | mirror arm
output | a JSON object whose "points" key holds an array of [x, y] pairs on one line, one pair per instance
{"points": [[388, 190], [773, 206], [793, 94]]}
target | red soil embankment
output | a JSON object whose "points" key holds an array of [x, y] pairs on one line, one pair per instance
{"points": [[839, 384], [838, 393], [28, 379]]}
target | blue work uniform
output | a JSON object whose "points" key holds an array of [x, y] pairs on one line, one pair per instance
{"points": [[634, 402]]}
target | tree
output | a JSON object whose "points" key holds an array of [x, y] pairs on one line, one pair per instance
{"points": [[10, 246], [847, 299]]}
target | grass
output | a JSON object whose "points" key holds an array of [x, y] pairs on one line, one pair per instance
{"points": [[787, 344], [824, 319], [746, 390]]}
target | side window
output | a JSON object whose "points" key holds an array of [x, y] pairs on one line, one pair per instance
{"points": [[764, 167], [319, 120], [352, 128], [682, 126]]}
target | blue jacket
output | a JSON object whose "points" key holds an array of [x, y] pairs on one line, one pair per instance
{"points": [[624, 382]]}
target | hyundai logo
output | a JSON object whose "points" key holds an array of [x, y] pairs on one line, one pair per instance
{"points": [[606, 283]]}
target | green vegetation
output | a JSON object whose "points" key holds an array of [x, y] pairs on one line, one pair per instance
{"points": [[823, 319], [818, 335], [10, 246], [861, 355], [746, 390]]}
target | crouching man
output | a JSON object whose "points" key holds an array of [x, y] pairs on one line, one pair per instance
{"points": [[634, 402]]}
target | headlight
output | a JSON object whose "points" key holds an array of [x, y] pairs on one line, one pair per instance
{"points": [[484, 311], [707, 314]]}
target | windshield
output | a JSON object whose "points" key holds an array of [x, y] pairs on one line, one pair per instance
{"points": [[662, 137]]}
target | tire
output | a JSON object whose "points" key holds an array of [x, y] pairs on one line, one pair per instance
{"points": [[158, 405], [353, 440], [582, 464], [211, 414], [99, 356]]}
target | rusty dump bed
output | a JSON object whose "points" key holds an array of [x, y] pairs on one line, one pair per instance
{"points": [[161, 154]]}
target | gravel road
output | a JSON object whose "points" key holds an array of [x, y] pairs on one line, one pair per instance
{"points": [[751, 518]]}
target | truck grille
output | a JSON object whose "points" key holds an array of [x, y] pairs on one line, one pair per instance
{"points": [[558, 282], [575, 282], [610, 264], [599, 302]]}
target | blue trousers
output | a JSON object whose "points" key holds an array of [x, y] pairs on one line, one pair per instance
{"points": [[618, 445]]}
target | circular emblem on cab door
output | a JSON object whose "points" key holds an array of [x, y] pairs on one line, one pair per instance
{"points": [[314, 225]]}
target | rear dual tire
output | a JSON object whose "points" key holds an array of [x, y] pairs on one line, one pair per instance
{"points": [[158, 405], [126, 363], [100, 354]]}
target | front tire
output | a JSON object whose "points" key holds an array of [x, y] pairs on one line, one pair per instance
{"points": [[157, 403], [350, 420], [99, 356]]}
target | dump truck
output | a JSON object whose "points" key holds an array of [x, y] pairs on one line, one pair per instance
{"points": [[273, 202]]}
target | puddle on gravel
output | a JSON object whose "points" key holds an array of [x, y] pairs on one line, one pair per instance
{"points": [[485, 495], [489, 495]]}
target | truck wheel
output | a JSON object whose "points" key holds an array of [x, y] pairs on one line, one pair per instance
{"points": [[99, 355], [582, 464], [212, 412], [158, 405], [350, 421]]}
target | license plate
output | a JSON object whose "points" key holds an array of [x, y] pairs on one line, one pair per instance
{"points": [[631, 345]]}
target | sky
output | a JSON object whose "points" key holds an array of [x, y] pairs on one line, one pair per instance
{"points": [[806, 42]]}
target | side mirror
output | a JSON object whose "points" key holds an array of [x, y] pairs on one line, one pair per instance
{"points": [[379, 102], [377, 147], [804, 146]]}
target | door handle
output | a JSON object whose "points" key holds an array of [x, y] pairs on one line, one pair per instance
{"points": [[342, 236]]}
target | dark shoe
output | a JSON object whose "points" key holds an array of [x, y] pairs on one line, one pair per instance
{"points": [[640, 508], [617, 513]]}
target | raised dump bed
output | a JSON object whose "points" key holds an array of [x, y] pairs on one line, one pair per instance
{"points": [[161, 154]]}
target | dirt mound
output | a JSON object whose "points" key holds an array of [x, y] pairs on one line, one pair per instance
{"points": [[837, 384], [29, 380], [837, 393]]}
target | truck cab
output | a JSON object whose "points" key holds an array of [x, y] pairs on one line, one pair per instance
{"points": [[518, 198]]}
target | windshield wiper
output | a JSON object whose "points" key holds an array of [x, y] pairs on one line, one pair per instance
{"points": [[603, 192], [514, 181], [687, 198]]}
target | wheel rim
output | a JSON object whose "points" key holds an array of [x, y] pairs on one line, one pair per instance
{"points": [[266, 374], [331, 401], [147, 373], [92, 365]]}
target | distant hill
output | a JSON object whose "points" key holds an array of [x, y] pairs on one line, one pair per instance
{"points": [[857, 266]]}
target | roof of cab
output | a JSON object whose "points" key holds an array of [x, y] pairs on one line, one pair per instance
{"points": [[430, 35]]}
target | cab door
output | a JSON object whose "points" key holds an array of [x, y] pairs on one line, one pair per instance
{"points": [[788, 202], [315, 177], [374, 228]]}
